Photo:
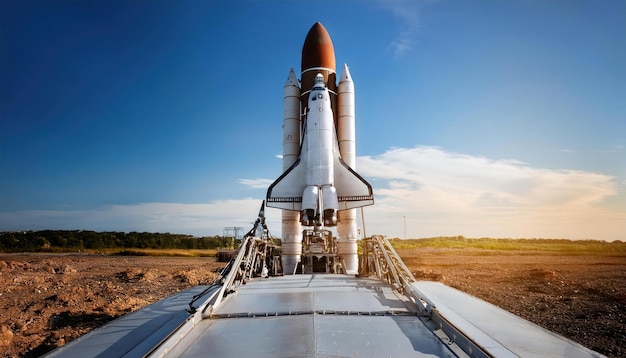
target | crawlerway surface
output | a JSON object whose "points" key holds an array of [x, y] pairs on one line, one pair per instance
{"points": [[49, 300]]}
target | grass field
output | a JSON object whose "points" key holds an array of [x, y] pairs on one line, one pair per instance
{"points": [[555, 246]]}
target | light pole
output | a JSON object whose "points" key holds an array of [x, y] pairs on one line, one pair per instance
{"points": [[404, 219]]}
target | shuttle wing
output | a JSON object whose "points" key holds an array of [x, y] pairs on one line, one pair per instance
{"points": [[352, 190], [286, 191]]}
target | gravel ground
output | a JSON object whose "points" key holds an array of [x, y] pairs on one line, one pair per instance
{"points": [[49, 300]]}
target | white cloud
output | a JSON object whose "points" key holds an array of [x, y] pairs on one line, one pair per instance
{"points": [[408, 15], [258, 183], [445, 193]]}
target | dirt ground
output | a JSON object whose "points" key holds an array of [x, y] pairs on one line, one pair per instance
{"points": [[49, 300]]}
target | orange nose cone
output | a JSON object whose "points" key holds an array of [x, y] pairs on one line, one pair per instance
{"points": [[318, 49], [318, 56]]}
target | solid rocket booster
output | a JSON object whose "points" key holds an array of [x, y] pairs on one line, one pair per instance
{"points": [[291, 228], [319, 186], [346, 134]]}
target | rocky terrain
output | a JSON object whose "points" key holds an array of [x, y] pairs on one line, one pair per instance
{"points": [[48, 300]]}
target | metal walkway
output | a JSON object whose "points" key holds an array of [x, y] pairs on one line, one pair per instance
{"points": [[321, 315]]}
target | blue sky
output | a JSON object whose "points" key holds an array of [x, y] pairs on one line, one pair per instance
{"points": [[474, 118]]}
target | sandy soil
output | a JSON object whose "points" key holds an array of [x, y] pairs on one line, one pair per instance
{"points": [[48, 300]]}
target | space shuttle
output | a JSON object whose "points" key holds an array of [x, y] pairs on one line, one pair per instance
{"points": [[319, 186], [319, 183]]}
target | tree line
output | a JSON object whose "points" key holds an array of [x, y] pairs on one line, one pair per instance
{"points": [[71, 240]]}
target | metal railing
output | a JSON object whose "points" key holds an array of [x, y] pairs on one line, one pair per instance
{"points": [[381, 258], [255, 257]]}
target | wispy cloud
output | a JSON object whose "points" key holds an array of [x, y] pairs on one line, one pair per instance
{"points": [[605, 150], [446, 193], [258, 183], [408, 15], [614, 149]]}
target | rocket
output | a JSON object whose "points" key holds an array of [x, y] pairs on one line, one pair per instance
{"points": [[319, 186]]}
